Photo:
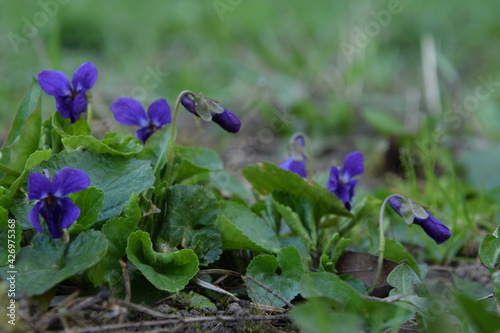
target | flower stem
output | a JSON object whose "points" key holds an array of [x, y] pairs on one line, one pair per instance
{"points": [[90, 111], [65, 236], [381, 246], [173, 134], [308, 155]]}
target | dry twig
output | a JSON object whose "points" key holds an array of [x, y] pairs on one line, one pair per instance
{"points": [[143, 309], [177, 321], [210, 286]]}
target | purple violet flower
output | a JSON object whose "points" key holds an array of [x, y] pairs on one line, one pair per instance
{"points": [[434, 228], [298, 167], [57, 210], [226, 119], [297, 162], [341, 182], [129, 111], [71, 99]]}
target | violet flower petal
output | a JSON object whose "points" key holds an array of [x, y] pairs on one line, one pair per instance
{"points": [[353, 166], [434, 228], [395, 204], [129, 111], [333, 181], [68, 180], [64, 106], [84, 77], [299, 139], [159, 113], [335, 186], [54, 83], [39, 186], [188, 103], [71, 212], [52, 214], [59, 213], [78, 106], [144, 133], [298, 167], [342, 193], [33, 216], [227, 120]]}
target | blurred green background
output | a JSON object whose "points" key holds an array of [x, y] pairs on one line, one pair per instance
{"points": [[348, 74]]}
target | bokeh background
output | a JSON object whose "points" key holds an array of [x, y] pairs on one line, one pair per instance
{"points": [[385, 77]]}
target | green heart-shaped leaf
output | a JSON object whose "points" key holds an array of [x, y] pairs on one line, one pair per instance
{"points": [[337, 294], [117, 176], [196, 160], [127, 147], [489, 251], [395, 251], [187, 207], [169, 271], [298, 214], [405, 282], [117, 230], [49, 261], [267, 178], [286, 282], [90, 203], [65, 128], [242, 229]]}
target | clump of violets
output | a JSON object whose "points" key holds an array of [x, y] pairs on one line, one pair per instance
{"points": [[71, 98], [341, 182], [209, 110], [129, 111], [297, 162], [415, 214], [57, 210]]}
